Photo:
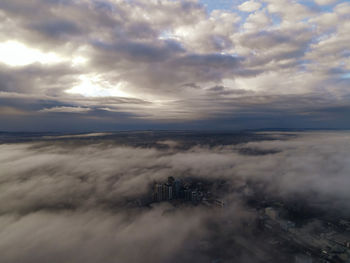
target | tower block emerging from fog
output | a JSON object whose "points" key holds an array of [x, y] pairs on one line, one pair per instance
{"points": [[175, 189], [158, 193], [166, 191]]}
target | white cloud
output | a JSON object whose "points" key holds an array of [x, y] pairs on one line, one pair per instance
{"points": [[249, 6], [342, 8], [257, 21], [95, 86], [325, 2], [14, 53], [66, 109]]}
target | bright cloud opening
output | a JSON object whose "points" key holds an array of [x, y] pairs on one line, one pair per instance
{"points": [[14, 53], [94, 86], [77, 61]]}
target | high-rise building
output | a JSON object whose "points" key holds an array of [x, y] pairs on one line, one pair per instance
{"points": [[177, 191], [171, 180], [194, 196], [187, 193], [158, 192], [165, 193], [170, 192]]}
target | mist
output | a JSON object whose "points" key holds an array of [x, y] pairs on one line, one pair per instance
{"points": [[75, 199]]}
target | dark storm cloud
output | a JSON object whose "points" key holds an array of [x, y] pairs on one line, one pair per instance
{"points": [[251, 111]]}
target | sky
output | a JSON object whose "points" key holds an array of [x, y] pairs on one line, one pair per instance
{"points": [[88, 65]]}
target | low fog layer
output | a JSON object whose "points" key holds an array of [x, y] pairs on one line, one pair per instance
{"points": [[69, 200]]}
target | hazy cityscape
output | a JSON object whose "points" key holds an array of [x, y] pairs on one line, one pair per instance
{"points": [[281, 223], [175, 197]]}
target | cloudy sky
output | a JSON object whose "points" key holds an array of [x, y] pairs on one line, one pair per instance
{"points": [[168, 64]]}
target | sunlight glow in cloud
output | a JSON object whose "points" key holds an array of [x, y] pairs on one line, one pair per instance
{"points": [[66, 110], [14, 53], [93, 86], [76, 61]]}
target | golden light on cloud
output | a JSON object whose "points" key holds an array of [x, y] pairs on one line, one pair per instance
{"points": [[94, 86]]}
